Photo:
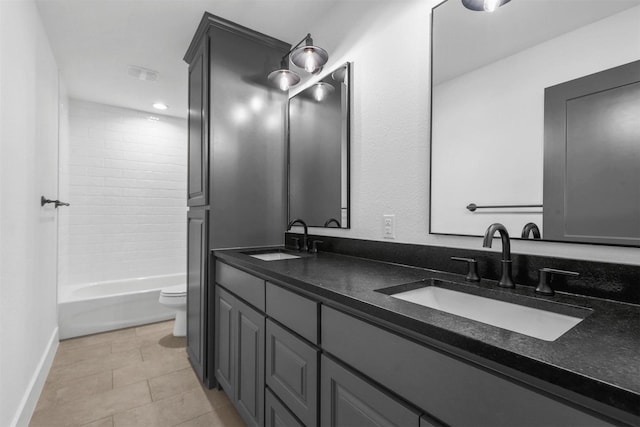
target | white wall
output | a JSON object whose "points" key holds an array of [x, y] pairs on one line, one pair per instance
{"points": [[28, 158], [127, 187], [502, 105], [388, 43]]}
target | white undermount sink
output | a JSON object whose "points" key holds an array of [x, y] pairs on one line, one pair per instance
{"points": [[534, 322], [274, 256]]}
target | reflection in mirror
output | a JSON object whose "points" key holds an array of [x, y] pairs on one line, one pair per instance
{"points": [[318, 147], [488, 105]]}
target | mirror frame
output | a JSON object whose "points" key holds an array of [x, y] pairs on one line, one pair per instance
{"points": [[346, 168]]}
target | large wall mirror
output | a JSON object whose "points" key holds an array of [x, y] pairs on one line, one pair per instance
{"points": [[491, 74], [318, 151]]}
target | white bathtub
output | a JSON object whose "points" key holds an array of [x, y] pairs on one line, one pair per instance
{"points": [[104, 306]]}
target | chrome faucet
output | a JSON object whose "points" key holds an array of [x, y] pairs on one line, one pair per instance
{"points": [[304, 246], [506, 280]]}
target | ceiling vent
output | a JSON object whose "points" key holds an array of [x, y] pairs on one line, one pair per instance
{"points": [[142, 73]]}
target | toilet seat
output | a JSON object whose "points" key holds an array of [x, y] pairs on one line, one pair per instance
{"points": [[174, 291]]}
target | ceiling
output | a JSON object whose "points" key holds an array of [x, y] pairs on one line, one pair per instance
{"points": [[465, 40], [95, 41]]}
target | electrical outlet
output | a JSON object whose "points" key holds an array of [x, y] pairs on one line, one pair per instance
{"points": [[389, 226]]}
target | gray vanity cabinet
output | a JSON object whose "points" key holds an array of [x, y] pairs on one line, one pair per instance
{"points": [[236, 169], [349, 400], [449, 389], [240, 355]]}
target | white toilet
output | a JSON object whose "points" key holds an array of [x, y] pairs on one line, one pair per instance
{"points": [[175, 297]]}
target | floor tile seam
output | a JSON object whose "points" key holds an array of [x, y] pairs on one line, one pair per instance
{"points": [[69, 382], [191, 419], [94, 395], [113, 414], [169, 373], [95, 359]]}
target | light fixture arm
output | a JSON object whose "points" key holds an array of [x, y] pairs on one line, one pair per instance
{"points": [[307, 39]]}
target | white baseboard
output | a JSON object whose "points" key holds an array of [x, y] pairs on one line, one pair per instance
{"points": [[32, 394]]}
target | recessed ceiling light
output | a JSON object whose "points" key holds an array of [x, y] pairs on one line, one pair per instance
{"points": [[160, 106]]}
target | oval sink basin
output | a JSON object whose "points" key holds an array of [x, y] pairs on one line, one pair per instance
{"points": [[534, 322]]}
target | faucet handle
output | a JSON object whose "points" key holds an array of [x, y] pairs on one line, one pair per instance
{"points": [[296, 243], [543, 279], [314, 246], [472, 265]]}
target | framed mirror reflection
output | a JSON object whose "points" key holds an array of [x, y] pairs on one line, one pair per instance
{"points": [[498, 125], [318, 151]]}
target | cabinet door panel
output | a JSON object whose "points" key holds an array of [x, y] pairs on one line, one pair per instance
{"points": [[348, 400], [292, 372], [276, 414], [197, 289], [198, 145], [224, 339], [249, 363]]}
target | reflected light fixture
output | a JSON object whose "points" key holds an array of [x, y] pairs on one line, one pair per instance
{"points": [[321, 90], [160, 106], [308, 57], [484, 5]]}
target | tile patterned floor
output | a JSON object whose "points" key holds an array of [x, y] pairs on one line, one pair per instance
{"points": [[135, 377]]}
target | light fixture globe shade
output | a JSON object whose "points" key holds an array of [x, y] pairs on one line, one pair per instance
{"points": [[284, 78], [321, 90], [481, 5], [311, 58]]}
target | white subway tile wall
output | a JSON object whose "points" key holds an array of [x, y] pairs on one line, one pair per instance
{"points": [[127, 185]]}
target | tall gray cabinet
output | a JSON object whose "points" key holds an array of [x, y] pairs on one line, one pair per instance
{"points": [[236, 183]]}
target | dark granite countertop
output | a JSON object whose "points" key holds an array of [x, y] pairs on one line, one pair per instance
{"points": [[599, 359]]}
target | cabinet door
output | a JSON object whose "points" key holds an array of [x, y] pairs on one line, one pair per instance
{"points": [[349, 400], [292, 372], [249, 364], [197, 192], [276, 414], [224, 339], [197, 289]]}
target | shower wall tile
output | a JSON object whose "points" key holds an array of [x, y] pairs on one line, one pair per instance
{"points": [[127, 184]]}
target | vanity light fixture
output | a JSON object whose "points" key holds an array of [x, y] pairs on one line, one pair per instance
{"points": [[284, 77], [484, 5], [160, 106], [321, 90], [308, 57]]}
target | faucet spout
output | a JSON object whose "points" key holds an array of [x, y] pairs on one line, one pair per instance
{"points": [[305, 236], [506, 279], [531, 228]]}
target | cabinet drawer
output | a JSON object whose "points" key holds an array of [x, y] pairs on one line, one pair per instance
{"points": [[244, 285], [292, 372], [296, 312], [276, 414], [348, 400], [450, 390]]}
